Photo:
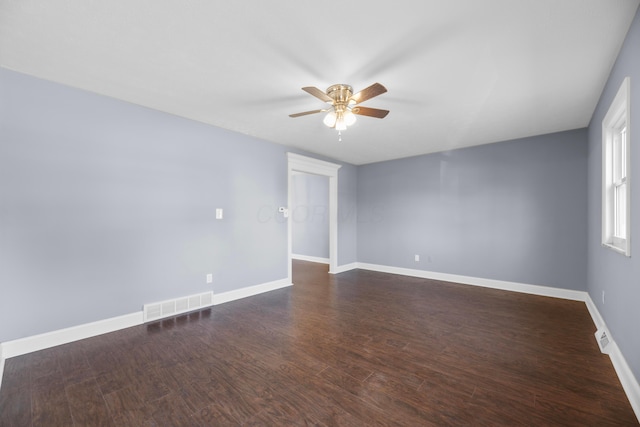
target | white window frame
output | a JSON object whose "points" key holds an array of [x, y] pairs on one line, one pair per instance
{"points": [[616, 185]]}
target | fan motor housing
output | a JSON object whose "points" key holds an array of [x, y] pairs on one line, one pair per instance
{"points": [[340, 93]]}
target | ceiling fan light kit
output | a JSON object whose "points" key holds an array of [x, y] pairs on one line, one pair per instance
{"points": [[343, 110]]}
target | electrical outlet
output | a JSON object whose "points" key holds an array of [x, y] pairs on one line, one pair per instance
{"points": [[209, 278], [219, 213], [417, 258]]}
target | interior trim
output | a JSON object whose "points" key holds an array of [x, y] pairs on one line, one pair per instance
{"points": [[1, 364], [316, 259], [46, 340], [250, 291], [63, 336], [629, 382], [50, 339], [346, 267], [298, 163], [547, 291]]}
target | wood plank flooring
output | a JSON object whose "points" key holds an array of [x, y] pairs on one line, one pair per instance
{"points": [[356, 349]]}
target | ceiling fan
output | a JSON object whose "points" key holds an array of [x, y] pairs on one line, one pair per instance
{"points": [[344, 104]]}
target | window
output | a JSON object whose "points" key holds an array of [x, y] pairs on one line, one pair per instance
{"points": [[616, 217]]}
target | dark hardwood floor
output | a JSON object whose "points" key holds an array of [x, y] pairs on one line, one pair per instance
{"points": [[356, 349]]}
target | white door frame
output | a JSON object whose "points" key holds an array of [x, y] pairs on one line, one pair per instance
{"points": [[298, 163]]}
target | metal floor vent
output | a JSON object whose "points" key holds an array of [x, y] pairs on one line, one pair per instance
{"points": [[159, 310], [604, 342]]}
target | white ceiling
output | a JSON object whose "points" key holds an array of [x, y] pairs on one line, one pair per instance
{"points": [[459, 72]]}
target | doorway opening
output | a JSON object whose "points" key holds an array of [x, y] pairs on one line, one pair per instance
{"points": [[310, 218], [309, 165]]}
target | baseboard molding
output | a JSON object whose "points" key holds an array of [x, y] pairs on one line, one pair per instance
{"points": [[345, 267], [250, 291], [63, 336], [629, 382], [310, 258], [625, 375], [1, 364], [546, 291], [595, 314], [33, 343]]}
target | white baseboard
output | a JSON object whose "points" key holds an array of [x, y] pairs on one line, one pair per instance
{"points": [[51, 339], [595, 314], [1, 364], [339, 269], [250, 291], [477, 281], [310, 258], [345, 267], [625, 375], [63, 336]]}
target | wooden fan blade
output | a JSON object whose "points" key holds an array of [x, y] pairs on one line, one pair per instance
{"points": [[371, 112], [306, 113], [318, 94], [368, 93]]}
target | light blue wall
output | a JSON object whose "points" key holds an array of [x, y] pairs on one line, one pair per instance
{"points": [[513, 211], [106, 206], [310, 215], [616, 274]]}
